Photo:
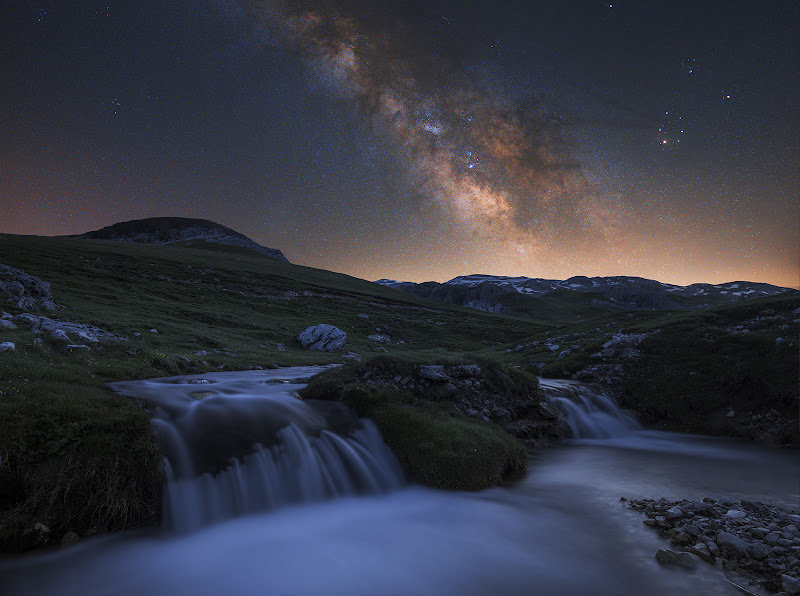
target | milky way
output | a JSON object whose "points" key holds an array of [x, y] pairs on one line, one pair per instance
{"points": [[418, 139], [499, 166]]}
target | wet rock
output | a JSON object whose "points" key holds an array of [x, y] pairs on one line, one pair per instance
{"points": [[323, 338], [701, 550], [790, 584], [736, 514], [733, 544], [759, 551], [681, 559], [674, 513]]}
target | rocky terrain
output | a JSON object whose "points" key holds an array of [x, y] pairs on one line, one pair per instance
{"points": [[756, 541], [171, 230], [493, 293], [480, 392]]}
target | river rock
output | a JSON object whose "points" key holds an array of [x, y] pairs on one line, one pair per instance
{"points": [[323, 338], [702, 551], [674, 513], [680, 559], [736, 514], [733, 544], [790, 584], [25, 291], [759, 551]]}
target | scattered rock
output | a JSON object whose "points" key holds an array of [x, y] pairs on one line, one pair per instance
{"points": [[432, 372], [201, 353], [78, 347], [7, 346], [364, 316], [281, 347], [352, 356], [380, 338], [89, 333], [154, 331], [27, 292], [323, 338], [731, 413]]}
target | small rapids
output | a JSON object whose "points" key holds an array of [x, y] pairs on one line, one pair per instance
{"points": [[588, 413], [239, 442], [252, 472]]}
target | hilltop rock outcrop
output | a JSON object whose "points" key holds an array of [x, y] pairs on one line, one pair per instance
{"points": [[25, 291], [169, 230]]}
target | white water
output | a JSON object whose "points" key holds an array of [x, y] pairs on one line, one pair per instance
{"points": [[560, 531], [590, 414], [240, 442]]}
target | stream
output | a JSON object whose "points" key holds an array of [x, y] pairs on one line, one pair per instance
{"points": [[320, 507]]}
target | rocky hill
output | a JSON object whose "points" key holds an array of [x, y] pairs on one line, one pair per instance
{"points": [[172, 230], [494, 293]]}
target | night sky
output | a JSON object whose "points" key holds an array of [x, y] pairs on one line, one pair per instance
{"points": [[418, 140]]}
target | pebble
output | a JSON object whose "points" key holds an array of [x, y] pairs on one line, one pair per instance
{"points": [[758, 541]]}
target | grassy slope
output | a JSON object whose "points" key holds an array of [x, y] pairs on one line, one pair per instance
{"points": [[76, 456]]}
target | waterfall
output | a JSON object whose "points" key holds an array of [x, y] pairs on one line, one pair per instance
{"points": [[588, 413], [240, 442]]}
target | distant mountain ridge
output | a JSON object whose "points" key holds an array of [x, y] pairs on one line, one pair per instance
{"points": [[170, 230], [492, 292]]}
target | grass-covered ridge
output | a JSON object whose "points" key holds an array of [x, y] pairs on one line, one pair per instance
{"points": [[74, 456], [77, 457]]}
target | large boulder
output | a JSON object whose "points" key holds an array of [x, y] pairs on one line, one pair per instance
{"points": [[322, 337], [27, 292]]}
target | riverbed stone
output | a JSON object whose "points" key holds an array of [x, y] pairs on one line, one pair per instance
{"points": [[731, 543], [790, 584], [759, 551], [670, 558], [702, 551]]}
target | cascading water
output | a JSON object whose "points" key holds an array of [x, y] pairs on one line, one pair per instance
{"points": [[239, 442], [588, 413]]}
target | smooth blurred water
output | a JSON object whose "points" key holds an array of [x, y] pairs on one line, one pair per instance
{"points": [[589, 413], [560, 531]]}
